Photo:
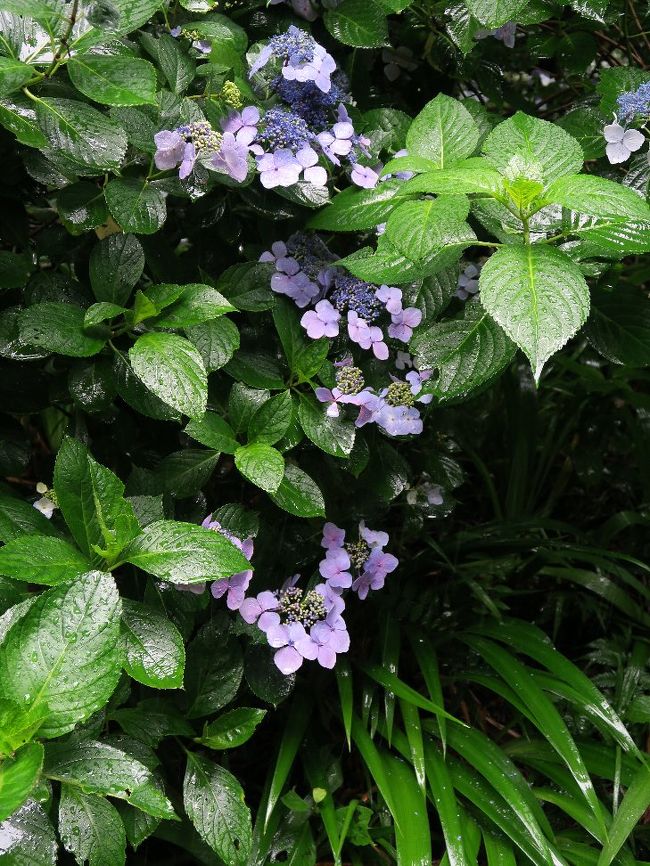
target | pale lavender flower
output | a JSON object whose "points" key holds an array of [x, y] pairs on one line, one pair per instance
{"points": [[329, 639], [313, 173], [293, 645], [370, 405], [335, 568], [244, 124], [364, 176], [322, 321], [373, 537], [337, 142], [261, 609], [296, 286], [399, 420], [175, 32], [403, 324], [319, 69], [170, 149], [232, 158], [45, 505], [391, 298], [468, 281], [403, 360], [333, 398], [333, 536], [416, 379], [279, 169], [378, 565], [278, 251], [367, 336], [621, 143]]}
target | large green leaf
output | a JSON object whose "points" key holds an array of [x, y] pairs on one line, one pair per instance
{"points": [[27, 838], [467, 352], [184, 553], [417, 228], [136, 205], [535, 149], [217, 341], [91, 828], [19, 116], [356, 209], [212, 431], [153, 647], [538, 296], [113, 80], [272, 419], [18, 517], [333, 435], [619, 325], [58, 328], [18, 775], [212, 678], [444, 132], [81, 206], [232, 729], [92, 501], [598, 197], [457, 181], [13, 74], [173, 370], [261, 464], [87, 139], [41, 559], [196, 304], [63, 654], [214, 802], [360, 23], [116, 265], [299, 494], [101, 768], [494, 13]]}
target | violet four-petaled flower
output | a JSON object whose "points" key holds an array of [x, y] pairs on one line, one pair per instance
{"points": [[322, 321]]}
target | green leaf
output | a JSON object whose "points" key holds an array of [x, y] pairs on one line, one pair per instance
{"points": [[232, 729], [212, 678], [457, 181], [14, 270], [58, 328], [538, 296], [41, 559], [248, 286], [356, 209], [212, 431], [444, 132], [184, 473], [116, 265], [18, 775], [467, 352], [19, 117], [442, 791], [597, 196], [90, 141], [495, 13], [629, 813], [91, 499], [153, 647], [360, 23], [272, 419], [299, 494], [304, 356], [531, 148], [136, 205], [333, 435], [173, 370], [18, 518], [261, 464], [91, 828], [172, 57], [100, 768], [416, 228], [113, 80], [81, 206], [256, 369], [198, 303], [612, 237], [27, 838], [63, 653], [214, 802], [138, 825], [184, 553], [13, 74], [243, 402], [216, 340], [137, 395], [619, 325]]}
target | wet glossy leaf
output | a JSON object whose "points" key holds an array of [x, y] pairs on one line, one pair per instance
{"points": [[153, 647], [42, 559], [136, 205], [58, 328], [173, 370], [91, 828], [232, 729], [27, 838], [114, 80], [444, 132], [261, 464], [18, 775]]}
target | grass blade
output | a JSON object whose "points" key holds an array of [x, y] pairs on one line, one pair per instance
{"points": [[293, 733], [442, 792], [402, 690], [633, 805], [498, 851], [413, 730], [346, 696], [428, 662]]}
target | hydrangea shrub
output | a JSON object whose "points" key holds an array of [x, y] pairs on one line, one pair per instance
{"points": [[241, 282]]}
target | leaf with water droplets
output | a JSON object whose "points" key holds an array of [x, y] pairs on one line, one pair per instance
{"points": [[232, 729], [153, 646], [58, 328], [41, 559], [91, 828], [64, 653], [91, 498], [173, 369], [100, 768], [184, 553], [136, 205], [27, 838], [213, 677], [538, 296], [18, 775], [214, 802]]}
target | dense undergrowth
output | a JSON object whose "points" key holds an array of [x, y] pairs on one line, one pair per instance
{"points": [[325, 482]]}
